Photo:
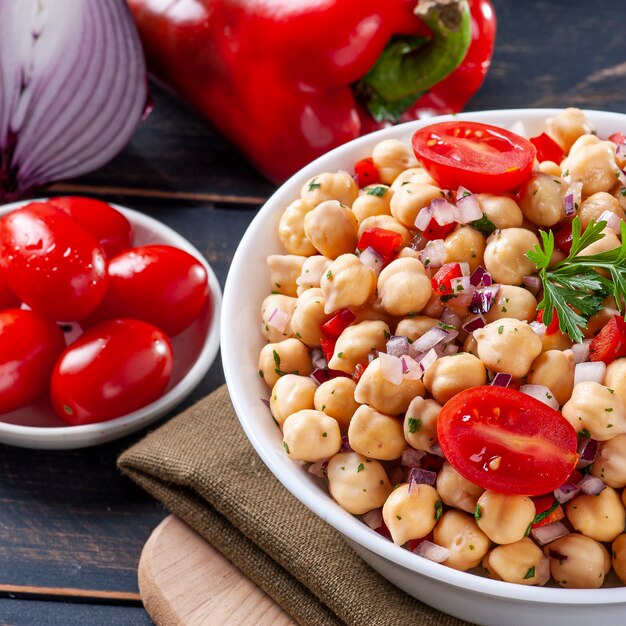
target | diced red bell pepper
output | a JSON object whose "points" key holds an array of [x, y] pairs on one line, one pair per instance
{"points": [[547, 148], [610, 343], [617, 138], [383, 530], [563, 238], [338, 323], [547, 510], [442, 280], [385, 242], [328, 348], [435, 230], [554, 324], [365, 173]]}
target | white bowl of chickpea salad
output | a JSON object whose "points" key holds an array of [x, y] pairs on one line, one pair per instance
{"points": [[429, 356]]}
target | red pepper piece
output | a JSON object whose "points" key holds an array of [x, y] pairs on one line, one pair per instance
{"points": [[338, 323], [365, 173], [328, 348], [563, 238], [554, 324], [547, 510], [383, 530], [617, 138], [385, 242], [435, 230], [442, 280], [547, 148], [610, 343]]}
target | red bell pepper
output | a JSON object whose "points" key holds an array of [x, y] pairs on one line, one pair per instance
{"points": [[547, 510], [442, 280], [547, 148], [287, 81], [385, 242], [610, 343], [338, 323], [365, 173]]}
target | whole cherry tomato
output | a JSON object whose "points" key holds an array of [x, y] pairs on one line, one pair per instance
{"points": [[162, 285], [105, 223], [112, 369], [51, 262], [29, 347], [8, 300]]}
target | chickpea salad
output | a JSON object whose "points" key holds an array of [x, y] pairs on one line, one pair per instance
{"points": [[446, 346]]}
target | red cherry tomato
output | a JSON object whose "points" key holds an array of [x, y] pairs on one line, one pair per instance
{"points": [[112, 369], [29, 347], [610, 343], [8, 300], [162, 285], [365, 173], [51, 262], [105, 223], [481, 157], [507, 441], [442, 280]]}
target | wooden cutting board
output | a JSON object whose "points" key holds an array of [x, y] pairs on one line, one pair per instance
{"points": [[184, 581]]}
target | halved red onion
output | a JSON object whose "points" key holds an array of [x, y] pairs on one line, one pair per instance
{"points": [[462, 290], [612, 221], [587, 451], [480, 277], [591, 485], [483, 299], [548, 533], [538, 328], [450, 318], [541, 393], [318, 360], [423, 218], [411, 370], [572, 198], [419, 476], [428, 358], [542, 572], [467, 209], [432, 551], [398, 346], [566, 492], [581, 351], [390, 368], [592, 372], [501, 380], [373, 518], [443, 212], [73, 89], [430, 339], [474, 323], [370, 258], [318, 469], [434, 254], [533, 284], [412, 457], [278, 320]]}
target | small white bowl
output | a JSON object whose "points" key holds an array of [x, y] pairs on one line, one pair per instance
{"points": [[468, 596], [195, 350]]}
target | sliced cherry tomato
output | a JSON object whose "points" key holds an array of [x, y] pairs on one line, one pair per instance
{"points": [[481, 157], [51, 262], [435, 230], [338, 323], [507, 441], [547, 510], [610, 343], [29, 347], [328, 348], [162, 285], [105, 223], [442, 280], [366, 173], [617, 138], [553, 327], [563, 238], [547, 148], [8, 300], [385, 242], [112, 369]]}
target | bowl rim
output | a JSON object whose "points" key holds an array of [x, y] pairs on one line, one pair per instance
{"points": [[93, 433], [319, 503]]}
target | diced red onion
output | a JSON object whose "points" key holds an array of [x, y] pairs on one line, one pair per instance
{"points": [[450, 318], [465, 268], [370, 258], [620, 151], [436, 450], [317, 359], [398, 346], [412, 457], [591, 485], [467, 209], [278, 320], [434, 254], [549, 532], [581, 351], [373, 518], [587, 451], [533, 284], [265, 402], [373, 354], [542, 573], [541, 393], [566, 492], [390, 368], [501, 380], [428, 359], [430, 339], [462, 291], [418, 242], [432, 551], [538, 328], [462, 192], [320, 375], [572, 198], [621, 176], [480, 277], [450, 348], [318, 469], [483, 299], [345, 444], [443, 212], [419, 476], [519, 128], [612, 221], [396, 475], [589, 372], [411, 370], [474, 323], [423, 218]]}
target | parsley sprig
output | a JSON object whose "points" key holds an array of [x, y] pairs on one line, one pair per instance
{"points": [[574, 287]]}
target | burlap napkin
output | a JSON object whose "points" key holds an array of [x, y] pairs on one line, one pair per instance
{"points": [[201, 466]]}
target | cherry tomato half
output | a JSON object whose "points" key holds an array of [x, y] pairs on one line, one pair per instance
{"points": [[481, 157], [507, 441], [51, 262], [105, 223], [162, 285], [112, 369], [8, 300], [29, 347]]}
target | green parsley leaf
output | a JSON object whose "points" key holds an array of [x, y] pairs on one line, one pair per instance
{"points": [[541, 516], [478, 512], [360, 468], [378, 190], [530, 573], [314, 185], [438, 510], [484, 225], [414, 424], [286, 447]]}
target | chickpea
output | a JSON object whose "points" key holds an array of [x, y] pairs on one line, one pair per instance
{"points": [[518, 562], [470, 345], [411, 515], [291, 229], [313, 268], [541, 199], [412, 175], [503, 211], [310, 435], [373, 311], [608, 242], [286, 304], [504, 518], [415, 326], [467, 543], [600, 517], [434, 307], [550, 168], [403, 287], [568, 126], [615, 377], [514, 302], [347, 283], [285, 357], [465, 245], [582, 142], [408, 253], [554, 369], [596, 204], [556, 341], [382, 394], [335, 397], [420, 423], [620, 195], [594, 166], [284, 271], [452, 374], [586, 565], [355, 344], [619, 557], [601, 318], [596, 410], [291, 394], [610, 463], [374, 200], [410, 199], [386, 222], [339, 186], [508, 345], [391, 157], [505, 255], [375, 435], [332, 228], [356, 483], [308, 317], [455, 490]]}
